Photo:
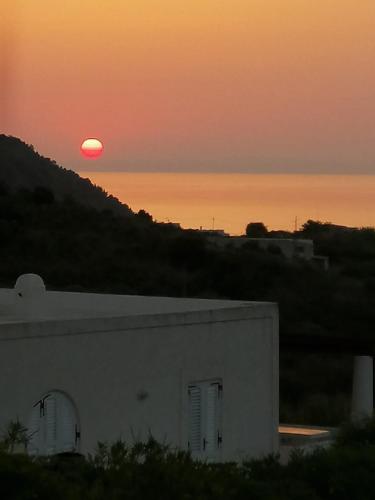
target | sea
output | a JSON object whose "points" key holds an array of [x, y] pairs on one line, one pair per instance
{"points": [[230, 201]]}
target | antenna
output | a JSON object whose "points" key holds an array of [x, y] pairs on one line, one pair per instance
{"points": [[295, 224], [213, 223]]}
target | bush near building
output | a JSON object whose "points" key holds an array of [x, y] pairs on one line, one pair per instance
{"points": [[153, 471]]}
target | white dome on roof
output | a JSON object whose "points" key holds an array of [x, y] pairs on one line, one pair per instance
{"points": [[29, 286]]}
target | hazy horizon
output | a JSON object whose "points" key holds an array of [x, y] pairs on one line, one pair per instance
{"points": [[229, 201], [219, 172]]}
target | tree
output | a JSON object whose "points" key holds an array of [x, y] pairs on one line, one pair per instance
{"points": [[256, 230], [15, 435], [43, 196], [142, 214]]}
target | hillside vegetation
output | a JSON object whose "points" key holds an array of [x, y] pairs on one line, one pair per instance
{"points": [[22, 167]]}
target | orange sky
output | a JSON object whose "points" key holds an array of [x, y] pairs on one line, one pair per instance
{"points": [[204, 85], [230, 201]]}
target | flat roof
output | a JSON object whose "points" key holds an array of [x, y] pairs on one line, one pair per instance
{"points": [[302, 430], [67, 306], [300, 435]]}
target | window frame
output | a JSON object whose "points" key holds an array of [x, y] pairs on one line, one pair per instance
{"points": [[207, 424]]}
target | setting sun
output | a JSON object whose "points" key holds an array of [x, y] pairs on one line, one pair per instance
{"points": [[92, 148]]}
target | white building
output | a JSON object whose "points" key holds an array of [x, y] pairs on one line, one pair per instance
{"points": [[291, 248], [80, 368]]}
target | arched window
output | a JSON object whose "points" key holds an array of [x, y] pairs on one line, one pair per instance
{"points": [[53, 426]]}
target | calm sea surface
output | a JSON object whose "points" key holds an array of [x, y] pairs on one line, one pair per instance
{"points": [[230, 201]]}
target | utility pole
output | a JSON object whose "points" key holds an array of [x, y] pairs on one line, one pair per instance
{"points": [[213, 223], [295, 224]]}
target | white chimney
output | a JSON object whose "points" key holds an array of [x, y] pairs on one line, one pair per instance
{"points": [[29, 295]]}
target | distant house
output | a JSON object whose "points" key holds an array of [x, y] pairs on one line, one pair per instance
{"points": [[214, 232], [291, 248], [79, 368]]}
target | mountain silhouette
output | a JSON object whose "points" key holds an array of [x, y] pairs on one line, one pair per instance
{"points": [[21, 167]]}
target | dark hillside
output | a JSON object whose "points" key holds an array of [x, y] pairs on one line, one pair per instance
{"points": [[22, 167]]}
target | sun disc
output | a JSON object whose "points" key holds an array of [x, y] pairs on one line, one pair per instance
{"points": [[91, 148]]}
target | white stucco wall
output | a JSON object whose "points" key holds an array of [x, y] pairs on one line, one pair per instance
{"points": [[104, 363]]}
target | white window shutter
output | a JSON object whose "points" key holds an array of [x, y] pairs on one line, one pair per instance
{"points": [[53, 426], [211, 418], [50, 416], [205, 407], [67, 428], [195, 419]]}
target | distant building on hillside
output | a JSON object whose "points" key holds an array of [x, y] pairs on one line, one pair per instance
{"points": [[214, 232], [79, 368], [291, 248]]}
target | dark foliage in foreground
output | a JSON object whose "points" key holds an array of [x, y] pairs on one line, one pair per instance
{"points": [[151, 471]]}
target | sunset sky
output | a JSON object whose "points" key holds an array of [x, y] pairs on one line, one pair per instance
{"points": [[198, 85]]}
